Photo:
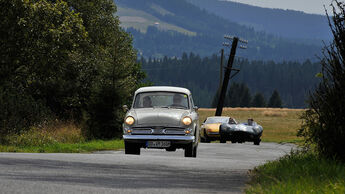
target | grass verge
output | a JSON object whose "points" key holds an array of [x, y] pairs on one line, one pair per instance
{"points": [[298, 173], [82, 147], [56, 137]]}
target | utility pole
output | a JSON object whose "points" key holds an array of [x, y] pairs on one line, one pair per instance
{"points": [[228, 72], [221, 68]]}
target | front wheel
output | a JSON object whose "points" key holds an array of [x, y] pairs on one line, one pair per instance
{"points": [[222, 139], [188, 150], [195, 151], [132, 148]]}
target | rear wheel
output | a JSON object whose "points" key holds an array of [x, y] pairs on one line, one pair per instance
{"points": [[132, 148], [188, 150], [257, 141]]}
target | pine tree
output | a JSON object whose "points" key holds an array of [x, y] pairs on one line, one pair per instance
{"points": [[259, 100], [275, 101], [245, 98]]}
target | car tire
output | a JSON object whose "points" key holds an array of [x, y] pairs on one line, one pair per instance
{"points": [[222, 140], [170, 149], [195, 149], [188, 150], [207, 140], [257, 141], [132, 148]]}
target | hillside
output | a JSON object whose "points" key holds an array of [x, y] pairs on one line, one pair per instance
{"points": [[163, 27], [285, 23]]}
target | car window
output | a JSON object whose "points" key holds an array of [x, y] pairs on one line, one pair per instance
{"points": [[217, 120], [232, 121], [161, 99]]}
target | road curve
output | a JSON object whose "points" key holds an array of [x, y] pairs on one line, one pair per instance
{"points": [[219, 168]]}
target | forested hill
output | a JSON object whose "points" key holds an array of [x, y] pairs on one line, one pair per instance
{"points": [[285, 23], [292, 80], [167, 28]]}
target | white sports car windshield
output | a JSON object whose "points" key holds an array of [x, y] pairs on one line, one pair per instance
{"points": [[161, 99]]}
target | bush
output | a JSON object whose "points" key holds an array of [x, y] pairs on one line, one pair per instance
{"points": [[19, 111], [324, 121]]}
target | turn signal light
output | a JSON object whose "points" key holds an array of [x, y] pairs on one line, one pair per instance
{"points": [[129, 131]]}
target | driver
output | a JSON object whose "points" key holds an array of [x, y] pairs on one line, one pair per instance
{"points": [[177, 100]]}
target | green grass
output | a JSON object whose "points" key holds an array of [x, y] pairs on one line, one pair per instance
{"points": [[298, 173], [83, 147]]}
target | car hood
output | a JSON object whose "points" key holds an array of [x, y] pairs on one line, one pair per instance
{"points": [[212, 126], [159, 116]]}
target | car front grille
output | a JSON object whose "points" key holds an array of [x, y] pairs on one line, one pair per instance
{"points": [[158, 131]]}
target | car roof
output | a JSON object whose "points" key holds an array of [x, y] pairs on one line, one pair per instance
{"points": [[163, 89]]}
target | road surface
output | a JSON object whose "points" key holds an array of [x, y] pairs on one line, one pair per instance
{"points": [[219, 168]]}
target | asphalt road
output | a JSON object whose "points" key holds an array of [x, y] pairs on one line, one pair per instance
{"points": [[219, 168]]}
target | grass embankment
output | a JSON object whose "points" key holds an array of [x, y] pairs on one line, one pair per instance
{"points": [[56, 138], [280, 125], [298, 173]]}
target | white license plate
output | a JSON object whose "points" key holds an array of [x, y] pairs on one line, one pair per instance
{"points": [[158, 144]]}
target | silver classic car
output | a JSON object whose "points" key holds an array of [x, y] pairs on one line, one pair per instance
{"points": [[162, 117], [242, 132]]}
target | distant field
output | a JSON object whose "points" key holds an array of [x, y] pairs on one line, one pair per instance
{"points": [[280, 125], [141, 20]]}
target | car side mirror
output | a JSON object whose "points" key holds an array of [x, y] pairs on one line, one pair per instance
{"points": [[196, 108], [125, 108]]}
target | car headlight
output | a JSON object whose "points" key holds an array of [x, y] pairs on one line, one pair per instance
{"points": [[129, 120], [186, 121]]}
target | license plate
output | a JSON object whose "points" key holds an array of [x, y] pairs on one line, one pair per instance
{"points": [[158, 144]]}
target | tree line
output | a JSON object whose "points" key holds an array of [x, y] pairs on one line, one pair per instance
{"points": [[291, 79], [66, 60], [239, 96]]}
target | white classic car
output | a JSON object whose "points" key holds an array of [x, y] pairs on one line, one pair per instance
{"points": [[162, 117]]}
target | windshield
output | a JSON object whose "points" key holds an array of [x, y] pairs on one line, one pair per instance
{"points": [[217, 120], [161, 99]]}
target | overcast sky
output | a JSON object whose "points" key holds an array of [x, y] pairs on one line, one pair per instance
{"points": [[308, 6]]}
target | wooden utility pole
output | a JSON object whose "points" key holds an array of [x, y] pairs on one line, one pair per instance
{"points": [[226, 77], [221, 69]]}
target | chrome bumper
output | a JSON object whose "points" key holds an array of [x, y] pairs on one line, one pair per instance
{"points": [[159, 137]]}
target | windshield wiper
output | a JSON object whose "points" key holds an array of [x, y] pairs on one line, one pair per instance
{"points": [[164, 107]]}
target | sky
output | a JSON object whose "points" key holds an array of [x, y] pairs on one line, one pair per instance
{"points": [[308, 6]]}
